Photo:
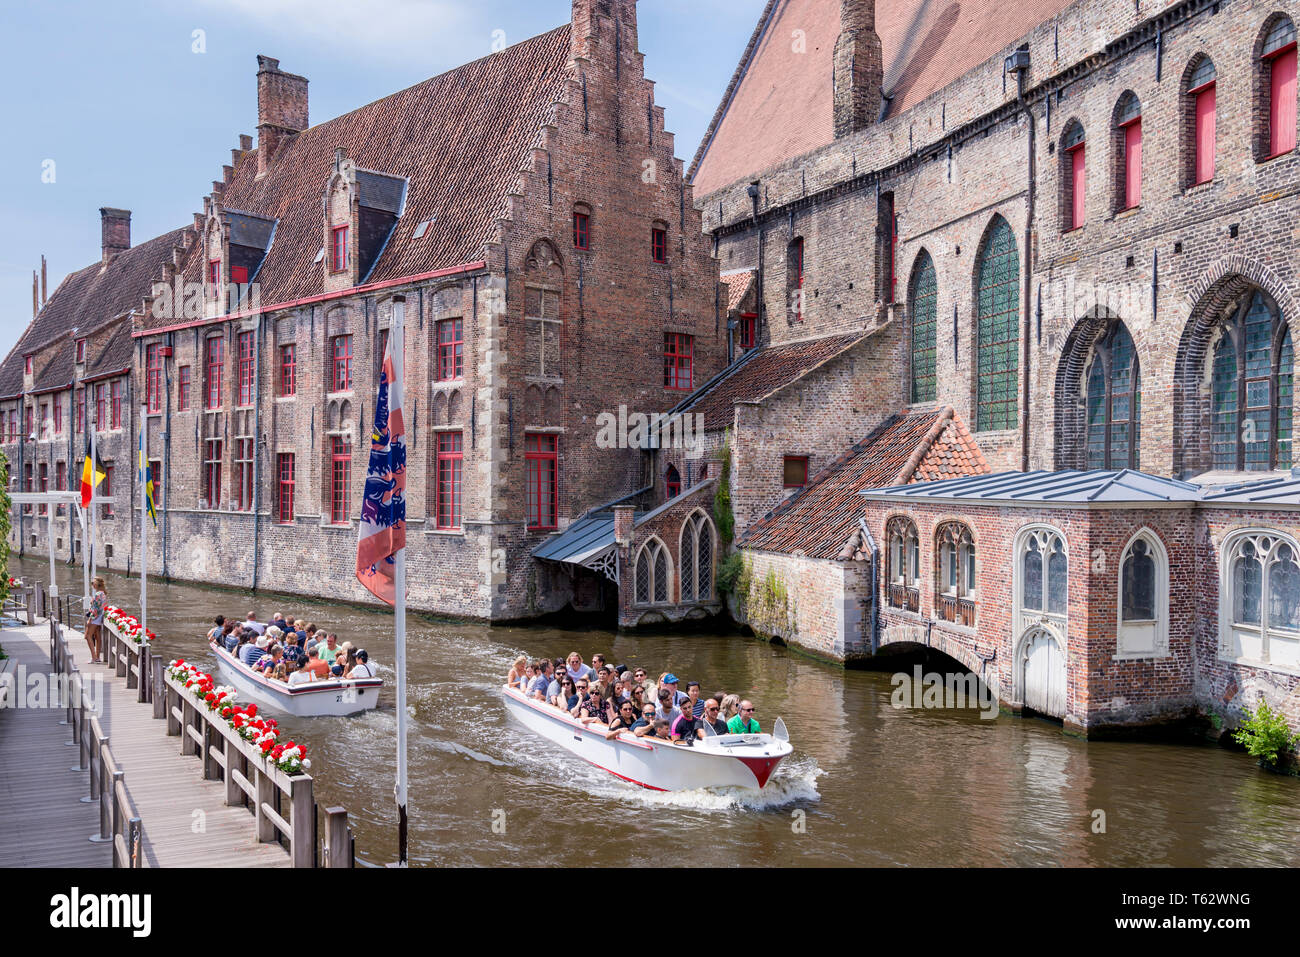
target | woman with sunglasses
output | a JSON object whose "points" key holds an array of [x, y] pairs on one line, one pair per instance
{"points": [[623, 721], [568, 696]]}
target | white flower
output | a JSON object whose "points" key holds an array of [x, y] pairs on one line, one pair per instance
{"points": [[306, 762]]}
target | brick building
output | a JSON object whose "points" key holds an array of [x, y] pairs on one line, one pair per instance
{"points": [[530, 212]]}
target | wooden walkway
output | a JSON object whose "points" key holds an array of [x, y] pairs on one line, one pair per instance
{"points": [[42, 820], [186, 820]]}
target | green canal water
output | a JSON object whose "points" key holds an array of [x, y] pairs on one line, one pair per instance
{"points": [[868, 784]]}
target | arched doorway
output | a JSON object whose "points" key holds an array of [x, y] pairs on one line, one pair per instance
{"points": [[1040, 668]]}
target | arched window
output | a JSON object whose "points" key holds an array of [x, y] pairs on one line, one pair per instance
{"points": [[1251, 387], [1128, 141], [696, 551], [1073, 177], [794, 278], [904, 564], [1259, 599], [1114, 402], [955, 567], [1199, 100], [924, 312], [1277, 86], [997, 270], [672, 483], [652, 573], [1143, 606], [1044, 572]]}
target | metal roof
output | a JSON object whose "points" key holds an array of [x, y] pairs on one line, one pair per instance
{"points": [[578, 542], [1067, 487], [1281, 490]]}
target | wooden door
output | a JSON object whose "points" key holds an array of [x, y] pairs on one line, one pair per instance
{"points": [[1044, 675]]}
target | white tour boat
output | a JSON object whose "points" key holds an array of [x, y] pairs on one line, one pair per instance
{"points": [[720, 760], [335, 697]]}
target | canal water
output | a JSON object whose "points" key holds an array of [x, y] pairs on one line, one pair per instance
{"points": [[868, 784]]}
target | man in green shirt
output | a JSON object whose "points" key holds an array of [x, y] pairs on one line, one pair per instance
{"points": [[743, 722]]}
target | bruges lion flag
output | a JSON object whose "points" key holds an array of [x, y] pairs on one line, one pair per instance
{"points": [[382, 531], [92, 473]]}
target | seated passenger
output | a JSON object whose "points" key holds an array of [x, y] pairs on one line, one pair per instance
{"points": [[541, 679], [231, 630], [661, 730], [666, 710], [557, 678], [303, 674], [743, 722], [576, 669], [567, 698], [671, 681], [292, 651], [362, 668], [280, 674], [646, 723], [253, 650], [590, 704], [318, 668], [730, 705], [712, 716], [253, 624], [268, 661], [515, 678], [623, 721], [686, 728], [693, 699], [214, 633]]}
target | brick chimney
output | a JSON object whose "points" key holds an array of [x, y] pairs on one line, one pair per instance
{"points": [[281, 109], [859, 68], [114, 231]]}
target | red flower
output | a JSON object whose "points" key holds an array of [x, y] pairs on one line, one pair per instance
{"points": [[266, 746], [252, 710]]}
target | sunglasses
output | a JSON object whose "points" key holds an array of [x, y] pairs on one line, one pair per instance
{"points": [[746, 709]]}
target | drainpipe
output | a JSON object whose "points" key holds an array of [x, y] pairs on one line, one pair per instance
{"points": [[875, 584], [257, 443], [167, 458], [1019, 61]]}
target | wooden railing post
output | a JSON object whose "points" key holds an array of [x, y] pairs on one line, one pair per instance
{"points": [[302, 847], [234, 793], [120, 657], [142, 679], [338, 851], [172, 704], [159, 694], [187, 721], [264, 788], [211, 766]]}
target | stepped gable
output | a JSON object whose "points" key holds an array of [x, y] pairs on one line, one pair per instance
{"points": [[908, 447], [788, 95], [460, 139], [84, 301], [762, 373]]}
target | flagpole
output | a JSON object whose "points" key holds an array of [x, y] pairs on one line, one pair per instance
{"points": [[144, 515], [398, 347], [94, 487]]}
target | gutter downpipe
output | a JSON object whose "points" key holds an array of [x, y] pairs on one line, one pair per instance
{"points": [[167, 457], [257, 443], [1029, 270], [875, 584]]}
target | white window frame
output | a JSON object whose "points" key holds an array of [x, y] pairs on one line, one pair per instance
{"points": [[643, 554], [1027, 619], [1154, 634], [697, 525], [1231, 633]]}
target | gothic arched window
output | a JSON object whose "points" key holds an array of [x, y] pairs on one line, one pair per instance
{"points": [[1114, 402], [925, 295], [997, 269], [1251, 388], [652, 573], [696, 551]]}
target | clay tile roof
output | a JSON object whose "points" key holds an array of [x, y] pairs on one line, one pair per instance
{"points": [[761, 373], [779, 104], [738, 286], [59, 368], [84, 301], [821, 518], [459, 139]]}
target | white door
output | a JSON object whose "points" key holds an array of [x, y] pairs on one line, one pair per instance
{"points": [[1044, 675]]}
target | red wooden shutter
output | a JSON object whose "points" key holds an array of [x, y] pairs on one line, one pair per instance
{"points": [[1205, 135], [1133, 164], [1077, 187], [1282, 103]]}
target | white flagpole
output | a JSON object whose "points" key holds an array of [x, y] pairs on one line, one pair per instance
{"points": [[144, 516], [397, 343], [94, 492]]}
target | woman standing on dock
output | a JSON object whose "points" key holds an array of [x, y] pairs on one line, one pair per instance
{"points": [[95, 616]]}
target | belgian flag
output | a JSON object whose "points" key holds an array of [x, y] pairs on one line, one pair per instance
{"points": [[92, 473]]}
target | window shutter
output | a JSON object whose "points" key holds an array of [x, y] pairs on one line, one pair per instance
{"points": [[1205, 135], [1282, 103]]}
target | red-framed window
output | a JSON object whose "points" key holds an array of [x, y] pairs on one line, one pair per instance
{"points": [[45, 420], [11, 433], [244, 474], [115, 396], [748, 330], [795, 272], [212, 473], [183, 389], [214, 355], [61, 484], [31, 423], [214, 276], [289, 369], [284, 469], [244, 349], [81, 413], [581, 231], [58, 416], [44, 478], [340, 479], [542, 461], [1075, 170], [1129, 124], [659, 244], [341, 377], [451, 350], [339, 249], [679, 361], [155, 473], [794, 471], [449, 457], [27, 365], [1202, 92], [672, 482], [101, 407], [1279, 56], [81, 350], [153, 377], [106, 491]]}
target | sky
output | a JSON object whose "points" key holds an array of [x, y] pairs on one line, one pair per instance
{"points": [[138, 105]]}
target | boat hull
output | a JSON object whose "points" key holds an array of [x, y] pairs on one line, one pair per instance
{"points": [[742, 761], [316, 699]]}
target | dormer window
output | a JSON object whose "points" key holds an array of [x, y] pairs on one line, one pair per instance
{"points": [[81, 350], [27, 365], [214, 276], [339, 249]]}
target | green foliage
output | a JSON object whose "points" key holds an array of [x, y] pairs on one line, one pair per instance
{"points": [[723, 518], [730, 571], [1265, 735]]}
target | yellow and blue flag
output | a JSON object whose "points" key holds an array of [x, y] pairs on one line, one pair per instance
{"points": [[146, 476]]}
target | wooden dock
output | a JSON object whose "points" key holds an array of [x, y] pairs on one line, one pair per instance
{"points": [[188, 816]]}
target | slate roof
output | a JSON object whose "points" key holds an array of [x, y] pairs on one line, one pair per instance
{"points": [[821, 518], [84, 301], [459, 139], [1049, 488], [778, 105], [760, 373]]}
